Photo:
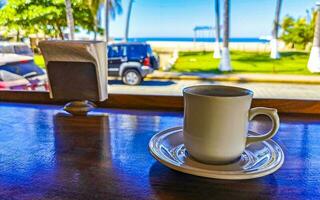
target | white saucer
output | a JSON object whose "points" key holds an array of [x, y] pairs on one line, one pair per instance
{"points": [[258, 160]]}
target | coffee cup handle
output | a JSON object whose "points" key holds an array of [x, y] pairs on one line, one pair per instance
{"points": [[273, 115]]}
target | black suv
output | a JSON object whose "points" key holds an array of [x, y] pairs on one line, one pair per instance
{"points": [[131, 61]]}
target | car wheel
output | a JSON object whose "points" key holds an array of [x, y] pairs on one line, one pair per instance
{"points": [[131, 77]]}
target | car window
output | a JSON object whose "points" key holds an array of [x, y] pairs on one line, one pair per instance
{"points": [[124, 50], [113, 51], [149, 50], [22, 68], [22, 50], [9, 76], [6, 49], [136, 51], [116, 51]]}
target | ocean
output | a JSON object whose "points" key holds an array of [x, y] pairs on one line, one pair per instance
{"points": [[190, 39]]}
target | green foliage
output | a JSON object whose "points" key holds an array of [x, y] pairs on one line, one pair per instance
{"points": [[43, 16], [38, 60], [298, 33]]}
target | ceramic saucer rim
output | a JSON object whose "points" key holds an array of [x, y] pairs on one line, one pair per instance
{"points": [[205, 173]]}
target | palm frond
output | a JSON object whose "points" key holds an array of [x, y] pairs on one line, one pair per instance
{"points": [[115, 8]]}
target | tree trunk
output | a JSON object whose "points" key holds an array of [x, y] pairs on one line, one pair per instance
{"points": [[95, 33], [316, 37], [314, 59], [128, 21], [18, 36], [275, 30], [226, 24], [225, 64], [106, 32], [60, 31], [217, 53], [106, 14], [70, 21], [274, 41]]}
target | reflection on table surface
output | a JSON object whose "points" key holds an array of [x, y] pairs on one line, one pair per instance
{"points": [[46, 154]]}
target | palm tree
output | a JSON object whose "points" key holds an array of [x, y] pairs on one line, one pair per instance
{"points": [[314, 59], [274, 41], [70, 21], [128, 21], [217, 53], [112, 7], [94, 6], [225, 64]]}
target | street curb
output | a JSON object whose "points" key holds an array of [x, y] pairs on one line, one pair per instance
{"points": [[238, 79]]}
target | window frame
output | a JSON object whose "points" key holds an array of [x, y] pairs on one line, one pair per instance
{"points": [[159, 102]]}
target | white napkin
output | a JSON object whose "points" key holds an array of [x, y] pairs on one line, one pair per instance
{"points": [[79, 51]]}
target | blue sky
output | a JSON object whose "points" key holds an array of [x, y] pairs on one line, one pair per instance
{"points": [[177, 18]]}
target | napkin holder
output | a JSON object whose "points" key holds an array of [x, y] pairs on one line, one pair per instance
{"points": [[77, 72]]}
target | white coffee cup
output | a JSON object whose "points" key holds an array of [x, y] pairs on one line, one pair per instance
{"points": [[216, 120]]}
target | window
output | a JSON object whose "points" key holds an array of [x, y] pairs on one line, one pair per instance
{"points": [[115, 52], [136, 51], [22, 50], [6, 49], [168, 50], [149, 50]]}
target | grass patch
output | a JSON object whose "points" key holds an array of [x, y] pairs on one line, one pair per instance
{"points": [[244, 62], [38, 60]]}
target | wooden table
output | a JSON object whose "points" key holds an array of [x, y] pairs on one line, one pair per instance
{"points": [[47, 155]]}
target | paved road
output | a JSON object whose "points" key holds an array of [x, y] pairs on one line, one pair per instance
{"points": [[261, 90]]}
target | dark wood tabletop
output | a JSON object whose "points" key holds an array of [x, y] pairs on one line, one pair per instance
{"points": [[46, 154]]}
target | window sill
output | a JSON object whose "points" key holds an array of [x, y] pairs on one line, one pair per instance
{"points": [[158, 102]]}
